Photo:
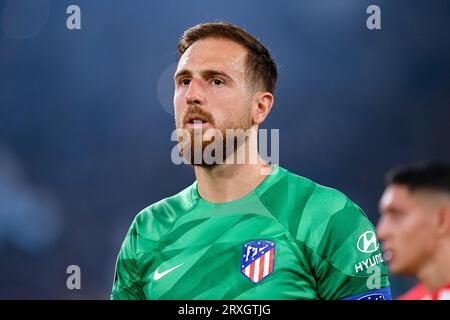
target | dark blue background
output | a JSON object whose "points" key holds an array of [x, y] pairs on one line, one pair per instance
{"points": [[85, 116]]}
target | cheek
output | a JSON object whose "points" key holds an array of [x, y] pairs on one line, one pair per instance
{"points": [[178, 103], [225, 106], [239, 106], [227, 97], [178, 96], [415, 237], [411, 229]]}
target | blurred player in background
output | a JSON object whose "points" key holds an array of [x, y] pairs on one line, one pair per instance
{"points": [[415, 228], [245, 230]]}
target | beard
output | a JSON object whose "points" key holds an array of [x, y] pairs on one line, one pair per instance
{"points": [[212, 146]]}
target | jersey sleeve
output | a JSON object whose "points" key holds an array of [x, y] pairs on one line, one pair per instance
{"points": [[347, 261], [127, 284]]}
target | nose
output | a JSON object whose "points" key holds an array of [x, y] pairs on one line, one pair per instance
{"points": [[382, 229], [194, 94]]}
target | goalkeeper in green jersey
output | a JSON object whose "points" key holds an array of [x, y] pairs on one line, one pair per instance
{"points": [[244, 229]]}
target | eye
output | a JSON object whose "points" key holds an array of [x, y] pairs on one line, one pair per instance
{"points": [[184, 82], [217, 82], [396, 216]]}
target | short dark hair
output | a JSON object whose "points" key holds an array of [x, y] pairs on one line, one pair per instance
{"points": [[427, 175], [261, 68]]}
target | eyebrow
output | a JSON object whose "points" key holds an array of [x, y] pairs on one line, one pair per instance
{"points": [[390, 209], [206, 74]]}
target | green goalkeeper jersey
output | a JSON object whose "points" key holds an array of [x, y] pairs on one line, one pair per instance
{"points": [[290, 238]]}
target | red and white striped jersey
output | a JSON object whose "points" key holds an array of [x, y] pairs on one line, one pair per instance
{"points": [[419, 292]]}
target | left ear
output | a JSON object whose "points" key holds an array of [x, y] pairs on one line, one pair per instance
{"points": [[263, 102], [444, 220]]}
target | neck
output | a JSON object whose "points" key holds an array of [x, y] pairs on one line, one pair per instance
{"points": [[228, 182], [435, 274]]}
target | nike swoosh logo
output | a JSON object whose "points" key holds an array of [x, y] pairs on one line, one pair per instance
{"points": [[158, 275]]}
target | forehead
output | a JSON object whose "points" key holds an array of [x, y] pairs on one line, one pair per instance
{"points": [[214, 53], [397, 196]]}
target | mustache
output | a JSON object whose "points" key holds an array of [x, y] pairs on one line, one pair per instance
{"points": [[196, 112]]}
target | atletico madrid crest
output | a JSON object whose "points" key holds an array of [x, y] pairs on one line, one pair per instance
{"points": [[258, 259]]}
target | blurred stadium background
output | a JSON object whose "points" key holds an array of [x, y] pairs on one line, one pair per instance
{"points": [[85, 116]]}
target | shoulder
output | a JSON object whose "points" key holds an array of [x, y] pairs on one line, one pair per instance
{"points": [[322, 200], [158, 218], [327, 213], [416, 293], [329, 223], [313, 212], [315, 202]]}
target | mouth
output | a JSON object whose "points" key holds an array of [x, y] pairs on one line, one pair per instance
{"points": [[196, 122], [387, 254]]}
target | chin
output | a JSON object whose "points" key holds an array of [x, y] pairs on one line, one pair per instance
{"points": [[393, 269], [398, 269], [206, 166]]}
